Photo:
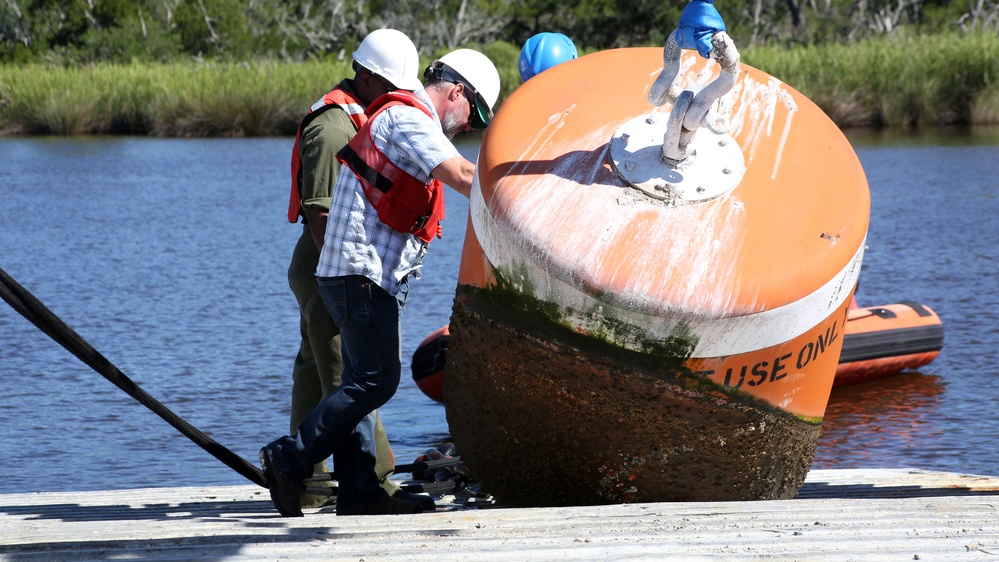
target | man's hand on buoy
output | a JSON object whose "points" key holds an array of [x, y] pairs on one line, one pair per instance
{"points": [[698, 23]]}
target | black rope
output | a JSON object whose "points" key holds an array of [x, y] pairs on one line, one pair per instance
{"points": [[21, 300]]}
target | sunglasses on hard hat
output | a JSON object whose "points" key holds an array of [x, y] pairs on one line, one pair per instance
{"points": [[479, 114]]}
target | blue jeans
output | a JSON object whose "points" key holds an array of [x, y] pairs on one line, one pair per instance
{"points": [[342, 424]]}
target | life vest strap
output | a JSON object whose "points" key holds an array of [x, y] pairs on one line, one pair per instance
{"points": [[363, 170]]}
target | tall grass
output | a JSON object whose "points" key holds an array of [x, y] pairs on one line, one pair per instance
{"points": [[901, 81], [184, 100]]}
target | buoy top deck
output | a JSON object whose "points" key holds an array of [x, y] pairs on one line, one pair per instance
{"points": [[796, 218]]}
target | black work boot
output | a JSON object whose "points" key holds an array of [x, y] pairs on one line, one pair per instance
{"points": [[425, 501], [284, 492]]}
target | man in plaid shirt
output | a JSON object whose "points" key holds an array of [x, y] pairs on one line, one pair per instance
{"points": [[363, 277]]}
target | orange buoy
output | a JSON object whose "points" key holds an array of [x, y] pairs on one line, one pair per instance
{"points": [[883, 340], [428, 363], [648, 329]]}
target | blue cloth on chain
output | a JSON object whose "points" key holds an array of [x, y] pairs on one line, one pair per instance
{"points": [[698, 22]]}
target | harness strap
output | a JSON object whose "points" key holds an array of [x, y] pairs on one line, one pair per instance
{"points": [[363, 170]]}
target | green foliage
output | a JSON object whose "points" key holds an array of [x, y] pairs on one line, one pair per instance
{"points": [[213, 28], [504, 55], [134, 40], [74, 31], [109, 13], [58, 23], [596, 24]]}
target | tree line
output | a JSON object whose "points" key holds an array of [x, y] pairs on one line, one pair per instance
{"points": [[84, 31]]}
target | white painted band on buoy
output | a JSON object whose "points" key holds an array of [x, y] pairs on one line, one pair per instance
{"points": [[740, 334], [716, 333]]}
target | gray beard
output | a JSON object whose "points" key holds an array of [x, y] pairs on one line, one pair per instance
{"points": [[451, 124]]}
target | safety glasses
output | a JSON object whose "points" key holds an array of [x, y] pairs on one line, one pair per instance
{"points": [[479, 115]]}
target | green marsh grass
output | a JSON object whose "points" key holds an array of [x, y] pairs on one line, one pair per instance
{"points": [[896, 82], [172, 100]]}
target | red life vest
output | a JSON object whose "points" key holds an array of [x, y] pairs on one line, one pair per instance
{"points": [[403, 202], [339, 97]]}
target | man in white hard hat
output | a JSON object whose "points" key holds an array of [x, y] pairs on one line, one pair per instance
{"points": [[382, 218], [476, 74], [385, 60]]}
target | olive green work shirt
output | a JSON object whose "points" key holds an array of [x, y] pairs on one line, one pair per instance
{"points": [[321, 140]]}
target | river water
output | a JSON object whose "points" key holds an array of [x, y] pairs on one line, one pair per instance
{"points": [[170, 257]]}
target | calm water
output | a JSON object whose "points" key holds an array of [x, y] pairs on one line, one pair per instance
{"points": [[169, 257]]}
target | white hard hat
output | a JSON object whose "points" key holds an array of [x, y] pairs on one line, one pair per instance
{"points": [[390, 54], [477, 71]]}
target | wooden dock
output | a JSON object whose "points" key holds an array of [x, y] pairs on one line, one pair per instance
{"points": [[881, 514]]}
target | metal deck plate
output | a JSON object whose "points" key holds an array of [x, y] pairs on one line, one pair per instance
{"points": [[715, 165]]}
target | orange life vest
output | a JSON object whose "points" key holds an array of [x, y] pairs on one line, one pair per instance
{"points": [[339, 97], [403, 202]]}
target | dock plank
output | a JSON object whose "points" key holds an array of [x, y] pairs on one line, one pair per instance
{"points": [[880, 514]]}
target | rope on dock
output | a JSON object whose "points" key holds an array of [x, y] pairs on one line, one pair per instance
{"points": [[27, 305]]}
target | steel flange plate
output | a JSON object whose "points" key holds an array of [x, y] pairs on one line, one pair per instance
{"points": [[715, 165]]}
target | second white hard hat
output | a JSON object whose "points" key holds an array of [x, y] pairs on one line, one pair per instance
{"points": [[480, 73], [392, 55]]}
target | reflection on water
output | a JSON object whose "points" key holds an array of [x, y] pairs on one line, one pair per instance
{"points": [[874, 423]]}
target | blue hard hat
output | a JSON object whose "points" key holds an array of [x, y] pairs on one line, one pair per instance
{"points": [[544, 51]]}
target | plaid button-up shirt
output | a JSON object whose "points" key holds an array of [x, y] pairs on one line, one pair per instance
{"points": [[356, 242]]}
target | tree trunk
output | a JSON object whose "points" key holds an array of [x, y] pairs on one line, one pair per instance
{"points": [[797, 19]]}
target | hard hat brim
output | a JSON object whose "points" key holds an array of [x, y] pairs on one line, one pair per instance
{"points": [[405, 84]]}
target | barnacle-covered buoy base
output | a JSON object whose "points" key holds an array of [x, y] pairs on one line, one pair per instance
{"points": [[543, 423]]}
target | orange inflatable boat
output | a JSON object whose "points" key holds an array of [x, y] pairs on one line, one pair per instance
{"points": [[878, 341], [428, 363], [883, 340], [651, 299]]}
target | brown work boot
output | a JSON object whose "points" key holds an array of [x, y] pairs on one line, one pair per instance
{"points": [[284, 492]]}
